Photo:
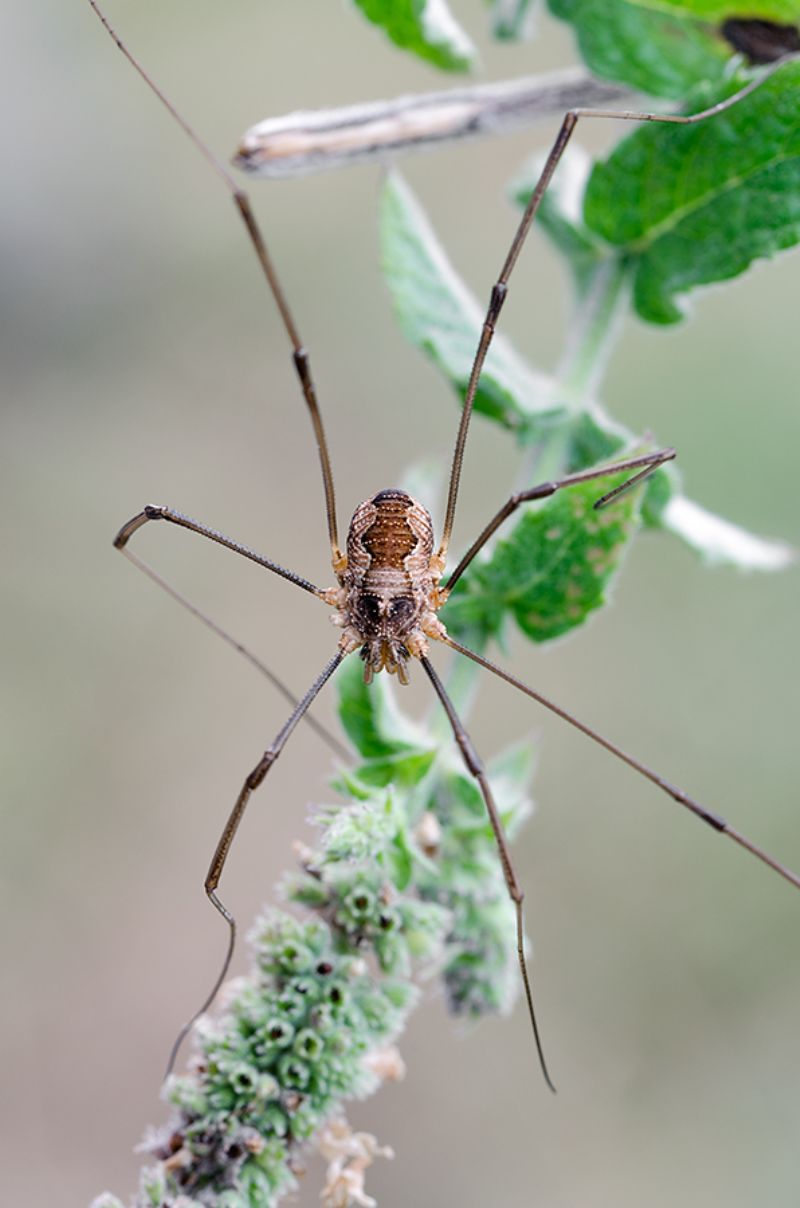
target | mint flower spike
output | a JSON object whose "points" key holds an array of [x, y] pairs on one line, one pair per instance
{"points": [[404, 877]]}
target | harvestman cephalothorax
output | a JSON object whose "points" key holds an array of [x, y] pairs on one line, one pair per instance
{"points": [[391, 579]]}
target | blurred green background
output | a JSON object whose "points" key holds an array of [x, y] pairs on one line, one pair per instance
{"points": [[142, 362]]}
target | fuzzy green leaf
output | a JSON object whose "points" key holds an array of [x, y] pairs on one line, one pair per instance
{"points": [[663, 47], [439, 315], [695, 204], [426, 28], [553, 569], [405, 769], [682, 206], [370, 716], [402, 860]]}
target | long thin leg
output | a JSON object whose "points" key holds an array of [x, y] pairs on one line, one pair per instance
{"points": [[242, 202], [715, 821], [226, 839], [500, 288], [649, 461], [475, 767], [321, 731], [152, 512]]}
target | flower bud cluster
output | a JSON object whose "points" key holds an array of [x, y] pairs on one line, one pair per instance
{"points": [[405, 871]]}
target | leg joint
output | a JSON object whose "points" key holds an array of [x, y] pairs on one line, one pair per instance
{"points": [[259, 772], [471, 757], [499, 291]]}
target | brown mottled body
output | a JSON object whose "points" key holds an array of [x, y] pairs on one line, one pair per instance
{"points": [[389, 592]]}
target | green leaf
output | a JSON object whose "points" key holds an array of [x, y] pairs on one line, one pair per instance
{"points": [[692, 205], [439, 315], [426, 28], [404, 770], [554, 568], [682, 207], [402, 860], [348, 784], [370, 717], [663, 47], [594, 438], [651, 48], [512, 20]]}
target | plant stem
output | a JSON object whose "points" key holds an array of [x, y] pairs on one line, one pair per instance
{"points": [[592, 333]]}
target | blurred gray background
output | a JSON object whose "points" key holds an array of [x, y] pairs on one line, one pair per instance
{"points": [[142, 362]]}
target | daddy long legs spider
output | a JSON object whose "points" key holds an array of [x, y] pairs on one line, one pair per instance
{"points": [[390, 574]]}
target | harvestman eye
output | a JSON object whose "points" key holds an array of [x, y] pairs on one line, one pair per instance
{"points": [[390, 581], [401, 610], [371, 608]]}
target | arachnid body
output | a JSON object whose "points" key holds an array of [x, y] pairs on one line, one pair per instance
{"points": [[389, 596]]}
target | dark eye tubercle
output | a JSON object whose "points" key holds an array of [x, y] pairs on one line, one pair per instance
{"points": [[371, 607], [401, 609]]}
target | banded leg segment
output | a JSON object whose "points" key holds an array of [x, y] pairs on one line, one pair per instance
{"points": [[160, 512], [245, 211], [500, 288], [715, 821], [649, 462], [475, 767], [215, 869]]}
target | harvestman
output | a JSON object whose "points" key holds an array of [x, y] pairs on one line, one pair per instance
{"points": [[391, 581]]}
